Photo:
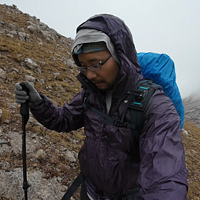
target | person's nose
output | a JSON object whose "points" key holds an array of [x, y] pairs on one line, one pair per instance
{"points": [[91, 75]]}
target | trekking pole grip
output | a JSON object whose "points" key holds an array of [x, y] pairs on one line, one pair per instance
{"points": [[24, 109]]}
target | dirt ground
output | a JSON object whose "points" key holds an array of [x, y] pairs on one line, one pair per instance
{"points": [[192, 150]]}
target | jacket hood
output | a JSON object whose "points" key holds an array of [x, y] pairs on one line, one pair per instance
{"points": [[122, 41]]}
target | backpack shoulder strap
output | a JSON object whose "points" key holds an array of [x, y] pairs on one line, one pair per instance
{"points": [[141, 96], [77, 182], [142, 92]]}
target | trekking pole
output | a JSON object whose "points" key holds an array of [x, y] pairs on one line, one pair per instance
{"points": [[24, 111]]}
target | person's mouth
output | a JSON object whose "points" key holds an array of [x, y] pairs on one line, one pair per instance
{"points": [[98, 84]]}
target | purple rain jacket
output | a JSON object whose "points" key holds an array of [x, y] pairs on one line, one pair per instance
{"points": [[110, 156]]}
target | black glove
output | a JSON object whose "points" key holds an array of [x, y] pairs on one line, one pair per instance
{"points": [[35, 100]]}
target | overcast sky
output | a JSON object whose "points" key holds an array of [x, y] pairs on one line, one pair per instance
{"points": [[161, 26]]}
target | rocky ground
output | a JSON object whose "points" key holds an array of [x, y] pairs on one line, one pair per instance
{"points": [[30, 50]]}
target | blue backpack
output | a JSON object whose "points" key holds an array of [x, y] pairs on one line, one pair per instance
{"points": [[160, 68]]}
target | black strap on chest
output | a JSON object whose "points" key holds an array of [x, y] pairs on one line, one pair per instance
{"points": [[139, 97]]}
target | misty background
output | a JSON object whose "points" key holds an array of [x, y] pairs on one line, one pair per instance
{"points": [[160, 26]]}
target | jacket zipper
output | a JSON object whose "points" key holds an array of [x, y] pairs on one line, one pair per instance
{"points": [[96, 150]]}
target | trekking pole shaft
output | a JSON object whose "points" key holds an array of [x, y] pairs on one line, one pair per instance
{"points": [[24, 111], [25, 182]]}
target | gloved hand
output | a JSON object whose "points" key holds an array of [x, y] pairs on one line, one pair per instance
{"points": [[35, 100]]}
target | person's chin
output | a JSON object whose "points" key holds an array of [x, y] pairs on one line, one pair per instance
{"points": [[106, 88]]}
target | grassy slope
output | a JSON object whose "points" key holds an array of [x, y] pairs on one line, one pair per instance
{"points": [[192, 149]]}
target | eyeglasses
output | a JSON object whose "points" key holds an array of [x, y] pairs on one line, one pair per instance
{"points": [[93, 68]]}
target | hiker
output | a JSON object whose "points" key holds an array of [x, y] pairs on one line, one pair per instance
{"points": [[116, 163]]}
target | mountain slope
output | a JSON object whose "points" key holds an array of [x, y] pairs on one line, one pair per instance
{"points": [[30, 50]]}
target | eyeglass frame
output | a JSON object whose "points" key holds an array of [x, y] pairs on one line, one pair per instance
{"points": [[97, 66]]}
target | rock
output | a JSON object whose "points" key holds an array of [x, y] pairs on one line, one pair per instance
{"points": [[3, 31], [23, 36], [2, 74], [43, 26], [56, 74], [43, 31], [3, 141], [30, 78], [21, 29], [6, 121], [10, 35], [40, 153], [13, 32], [1, 113], [41, 63], [68, 62], [12, 26], [40, 189], [41, 81], [30, 63], [15, 70], [70, 156], [32, 29], [13, 143], [4, 165], [2, 23], [45, 35], [13, 105], [183, 131]]}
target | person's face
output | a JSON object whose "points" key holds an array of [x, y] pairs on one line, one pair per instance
{"points": [[106, 77]]}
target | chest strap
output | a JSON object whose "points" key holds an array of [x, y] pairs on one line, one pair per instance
{"points": [[110, 120]]}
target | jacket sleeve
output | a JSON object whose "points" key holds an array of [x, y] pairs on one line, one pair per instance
{"points": [[163, 173], [61, 119]]}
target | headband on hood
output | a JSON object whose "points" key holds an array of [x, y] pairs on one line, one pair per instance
{"points": [[90, 37], [90, 47]]}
